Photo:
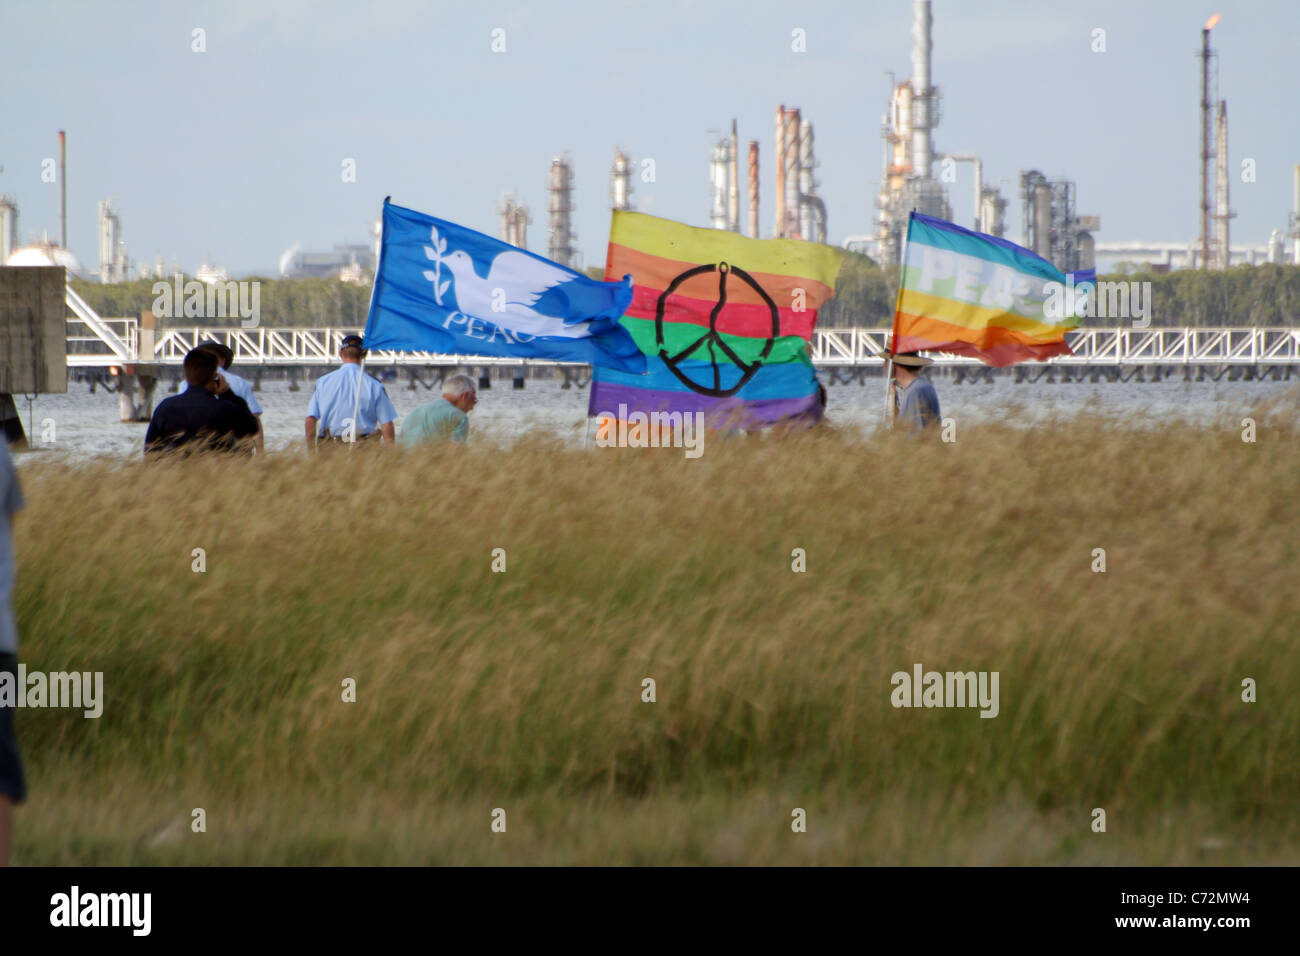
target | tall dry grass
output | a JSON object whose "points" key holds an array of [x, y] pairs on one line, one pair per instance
{"points": [[523, 690]]}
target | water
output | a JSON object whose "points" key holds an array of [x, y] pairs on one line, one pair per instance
{"points": [[86, 425]]}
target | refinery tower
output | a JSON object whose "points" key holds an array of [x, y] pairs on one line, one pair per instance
{"points": [[907, 129]]}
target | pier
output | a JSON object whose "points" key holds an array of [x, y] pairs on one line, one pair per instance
{"points": [[127, 356]]}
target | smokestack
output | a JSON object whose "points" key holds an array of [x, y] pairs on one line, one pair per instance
{"points": [[790, 161], [733, 187], [806, 213], [1043, 220], [1205, 141], [922, 114], [1221, 212], [560, 248], [63, 189], [719, 170], [778, 228], [753, 188]]}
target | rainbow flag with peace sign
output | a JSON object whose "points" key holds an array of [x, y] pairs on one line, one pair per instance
{"points": [[725, 323]]}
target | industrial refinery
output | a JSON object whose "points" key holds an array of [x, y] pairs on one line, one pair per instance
{"points": [[917, 173]]}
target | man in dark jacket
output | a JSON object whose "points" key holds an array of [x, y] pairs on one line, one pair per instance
{"points": [[207, 415]]}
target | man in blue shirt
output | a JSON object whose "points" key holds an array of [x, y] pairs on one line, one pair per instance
{"points": [[915, 399], [13, 788], [329, 416], [447, 417], [238, 384]]}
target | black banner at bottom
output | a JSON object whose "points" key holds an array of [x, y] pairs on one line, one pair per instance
{"points": [[332, 905]]}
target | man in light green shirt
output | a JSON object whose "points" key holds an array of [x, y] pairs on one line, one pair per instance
{"points": [[447, 417]]}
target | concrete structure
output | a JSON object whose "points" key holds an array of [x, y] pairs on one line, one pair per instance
{"points": [[33, 330]]}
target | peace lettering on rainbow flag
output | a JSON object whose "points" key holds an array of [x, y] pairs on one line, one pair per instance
{"points": [[972, 294]]}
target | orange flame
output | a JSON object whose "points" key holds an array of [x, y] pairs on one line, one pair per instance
{"points": [[1209, 24]]}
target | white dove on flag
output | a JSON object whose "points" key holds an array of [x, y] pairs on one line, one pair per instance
{"points": [[521, 279]]}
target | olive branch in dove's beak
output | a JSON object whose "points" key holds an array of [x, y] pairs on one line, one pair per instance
{"points": [[435, 253]]}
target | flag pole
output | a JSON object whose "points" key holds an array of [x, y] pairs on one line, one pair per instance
{"points": [[374, 295], [890, 410], [356, 404]]}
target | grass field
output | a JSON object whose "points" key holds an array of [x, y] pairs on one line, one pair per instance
{"points": [[522, 690]]}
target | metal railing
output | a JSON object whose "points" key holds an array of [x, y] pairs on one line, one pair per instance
{"points": [[831, 347], [97, 342], [1099, 347]]}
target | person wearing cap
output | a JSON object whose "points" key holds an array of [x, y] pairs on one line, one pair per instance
{"points": [[238, 384], [207, 415], [329, 416], [914, 399], [447, 417]]}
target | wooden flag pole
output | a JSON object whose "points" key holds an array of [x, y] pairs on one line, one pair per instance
{"points": [[374, 295], [891, 409], [356, 405]]}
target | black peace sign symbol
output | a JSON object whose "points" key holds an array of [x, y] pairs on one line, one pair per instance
{"points": [[713, 339]]}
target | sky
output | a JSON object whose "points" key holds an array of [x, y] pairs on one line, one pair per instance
{"points": [[238, 152]]}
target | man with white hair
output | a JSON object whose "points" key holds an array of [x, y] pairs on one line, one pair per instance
{"points": [[446, 417]]}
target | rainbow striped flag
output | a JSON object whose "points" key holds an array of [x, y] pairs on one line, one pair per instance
{"points": [[725, 323], [971, 294]]}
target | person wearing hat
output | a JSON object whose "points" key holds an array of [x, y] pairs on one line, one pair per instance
{"points": [[238, 384], [913, 398], [206, 416], [329, 416]]}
